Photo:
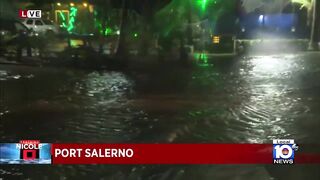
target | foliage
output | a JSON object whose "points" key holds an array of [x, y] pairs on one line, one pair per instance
{"points": [[304, 3], [175, 15]]}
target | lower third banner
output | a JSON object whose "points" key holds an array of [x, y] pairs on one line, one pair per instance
{"points": [[162, 153], [280, 152]]}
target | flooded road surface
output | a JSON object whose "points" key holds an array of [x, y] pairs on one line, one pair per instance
{"points": [[249, 100]]}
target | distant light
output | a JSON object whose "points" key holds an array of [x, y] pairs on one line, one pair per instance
{"points": [[85, 4], [91, 9], [243, 29], [71, 4], [118, 32], [135, 34], [293, 29], [261, 17], [216, 39], [58, 4]]}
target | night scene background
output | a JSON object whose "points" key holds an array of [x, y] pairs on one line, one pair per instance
{"points": [[160, 71]]}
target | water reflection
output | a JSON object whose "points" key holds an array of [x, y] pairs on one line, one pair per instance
{"points": [[267, 103], [253, 99]]}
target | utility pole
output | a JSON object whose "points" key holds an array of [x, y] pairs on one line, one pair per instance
{"points": [[314, 35]]}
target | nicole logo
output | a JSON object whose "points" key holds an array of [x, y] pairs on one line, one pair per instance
{"points": [[25, 152], [29, 149]]}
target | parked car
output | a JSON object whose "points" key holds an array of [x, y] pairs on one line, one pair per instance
{"points": [[42, 26], [10, 29], [14, 34]]}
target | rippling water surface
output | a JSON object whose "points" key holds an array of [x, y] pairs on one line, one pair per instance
{"points": [[253, 99]]}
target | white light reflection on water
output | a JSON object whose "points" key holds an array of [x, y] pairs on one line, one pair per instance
{"points": [[271, 65], [268, 103]]}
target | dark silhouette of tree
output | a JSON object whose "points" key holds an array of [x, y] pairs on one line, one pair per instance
{"points": [[315, 31], [146, 8]]}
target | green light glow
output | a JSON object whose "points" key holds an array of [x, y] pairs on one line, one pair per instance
{"points": [[62, 16], [64, 25], [173, 16], [72, 16], [107, 31], [135, 35], [73, 11], [63, 19], [202, 59], [204, 4]]}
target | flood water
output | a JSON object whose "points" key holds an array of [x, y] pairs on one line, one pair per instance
{"points": [[252, 99]]}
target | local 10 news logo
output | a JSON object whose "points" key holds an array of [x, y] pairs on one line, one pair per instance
{"points": [[283, 151]]}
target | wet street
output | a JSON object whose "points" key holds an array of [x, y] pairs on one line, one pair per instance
{"points": [[252, 99]]}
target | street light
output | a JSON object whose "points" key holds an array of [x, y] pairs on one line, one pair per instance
{"points": [[58, 4], [71, 4], [85, 4]]}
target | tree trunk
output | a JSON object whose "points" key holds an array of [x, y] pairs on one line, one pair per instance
{"points": [[189, 27], [146, 38], [315, 27], [121, 49]]}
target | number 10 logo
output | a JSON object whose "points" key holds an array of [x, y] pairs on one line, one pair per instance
{"points": [[283, 151]]}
